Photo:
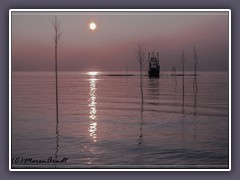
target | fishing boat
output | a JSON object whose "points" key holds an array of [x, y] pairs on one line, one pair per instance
{"points": [[154, 67]]}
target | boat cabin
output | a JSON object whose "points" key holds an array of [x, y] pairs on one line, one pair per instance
{"points": [[154, 67]]}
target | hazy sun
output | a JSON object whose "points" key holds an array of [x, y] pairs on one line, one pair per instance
{"points": [[92, 26]]}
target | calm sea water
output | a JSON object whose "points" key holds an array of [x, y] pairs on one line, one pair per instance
{"points": [[102, 122]]}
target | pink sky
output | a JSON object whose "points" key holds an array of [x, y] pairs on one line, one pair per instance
{"points": [[112, 45]]}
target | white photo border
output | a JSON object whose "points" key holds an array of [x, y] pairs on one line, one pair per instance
{"points": [[114, 10]]}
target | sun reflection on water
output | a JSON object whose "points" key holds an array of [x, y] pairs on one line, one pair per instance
{"points": [[93, 107], [92, 73]]}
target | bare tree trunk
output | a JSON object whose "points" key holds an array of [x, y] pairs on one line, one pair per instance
{"points": [[141, 83], [57, 36], [183, 75], [56, 73], [140, 55], [195, 59], [140, 124]]}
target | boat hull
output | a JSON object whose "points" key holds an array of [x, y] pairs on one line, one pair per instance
{"points": [[153, 73]]}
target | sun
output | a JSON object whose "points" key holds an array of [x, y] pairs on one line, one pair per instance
{"points": [[92, 26]]}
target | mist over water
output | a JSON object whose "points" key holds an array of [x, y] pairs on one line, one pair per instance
{"points": [[103, 123]]}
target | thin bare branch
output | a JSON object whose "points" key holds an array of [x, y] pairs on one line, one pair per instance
{"points": [[56, 25]]}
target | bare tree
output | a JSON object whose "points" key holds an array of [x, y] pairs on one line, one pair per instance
{"points": [[183, 63], [195, 58], [141, 57], [57, 37]]}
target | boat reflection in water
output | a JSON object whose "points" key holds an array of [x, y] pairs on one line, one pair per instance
{"points": [[93, 106]]}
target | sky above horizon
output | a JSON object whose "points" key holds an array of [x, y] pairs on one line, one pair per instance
{"points": [[112, 46]]}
